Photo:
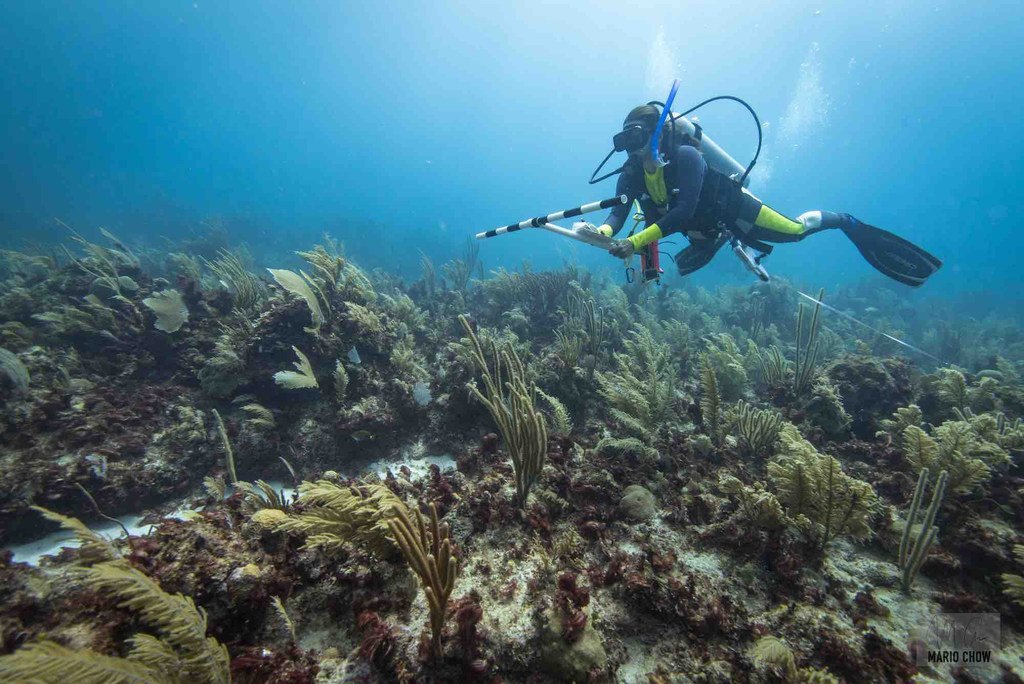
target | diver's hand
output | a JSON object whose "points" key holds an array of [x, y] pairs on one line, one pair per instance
{"points": [[622, 249]]}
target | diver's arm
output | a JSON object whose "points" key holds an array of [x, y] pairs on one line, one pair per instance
{"points": [[629, 184], [690, 167]]}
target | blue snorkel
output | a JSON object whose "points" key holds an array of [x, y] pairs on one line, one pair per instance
{"points": [[659, 161]]}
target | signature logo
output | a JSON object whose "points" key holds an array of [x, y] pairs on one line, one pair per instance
{"points": [[959, 638]]}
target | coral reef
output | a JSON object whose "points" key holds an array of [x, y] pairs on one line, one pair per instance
{"points": [[870, 388], [317, 473]]}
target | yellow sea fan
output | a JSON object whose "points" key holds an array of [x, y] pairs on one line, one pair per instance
{"points": [[169, 307], [771, 650], [175, 616], [338, 514], [302, 286], [93, 547], [279, 607], [1014, 588], [47, 662], [14, 369], [302, 377]]}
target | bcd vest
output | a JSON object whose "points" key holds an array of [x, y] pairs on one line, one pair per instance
{"points": [[718, 207]]}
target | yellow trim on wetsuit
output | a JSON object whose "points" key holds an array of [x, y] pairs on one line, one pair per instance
{"points": [[645, 236], [655, 183], [769, 219]]}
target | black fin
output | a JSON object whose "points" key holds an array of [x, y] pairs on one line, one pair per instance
{"points": [[697, 255], [895, 257]]}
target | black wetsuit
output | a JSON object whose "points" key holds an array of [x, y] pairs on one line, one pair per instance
{"points": [[703, 204], [711, 208], [684, 177]]}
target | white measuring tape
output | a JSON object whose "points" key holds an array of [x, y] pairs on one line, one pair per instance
{"points": [[872, 329]]}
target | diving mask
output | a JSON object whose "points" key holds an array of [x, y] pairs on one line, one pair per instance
{"points": [[631, 138]]}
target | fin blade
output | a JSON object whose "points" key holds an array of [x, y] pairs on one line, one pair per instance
{"points": [[899, 259]]}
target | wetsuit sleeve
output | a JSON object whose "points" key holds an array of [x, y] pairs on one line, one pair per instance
{"points": [[629, 184], [689, 178]]}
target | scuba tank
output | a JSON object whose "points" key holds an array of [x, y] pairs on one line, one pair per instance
{"points": [[717, 158], [681, 128]]}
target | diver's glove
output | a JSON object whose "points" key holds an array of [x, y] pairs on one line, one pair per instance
{"points": [[622, 248]]}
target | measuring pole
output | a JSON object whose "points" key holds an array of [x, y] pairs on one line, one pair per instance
{"points": [[543, 221]]}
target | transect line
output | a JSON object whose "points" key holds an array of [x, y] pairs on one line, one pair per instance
{"points": [[873, 329]]}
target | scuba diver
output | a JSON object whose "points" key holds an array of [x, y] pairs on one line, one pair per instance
{"points": [[681, 192]]}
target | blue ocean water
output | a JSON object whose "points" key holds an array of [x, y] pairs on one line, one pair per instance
{"points": [[402, 128]]}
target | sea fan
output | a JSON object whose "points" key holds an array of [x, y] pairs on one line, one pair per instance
{"points": [[92, 547], [335, 515], [302, 286], [169, 307], [824, 501], [302, 377], [46, 662], [14, 369]]}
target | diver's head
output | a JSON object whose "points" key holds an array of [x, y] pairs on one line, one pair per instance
{"points": [[636, 129], [635, 138]]}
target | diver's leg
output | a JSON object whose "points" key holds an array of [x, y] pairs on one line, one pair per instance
{"points": [[890, 254], [814, 221], [760, 222], [698, 254]]}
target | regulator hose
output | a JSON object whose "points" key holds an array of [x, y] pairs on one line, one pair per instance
{"points": [[760, 135]]}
